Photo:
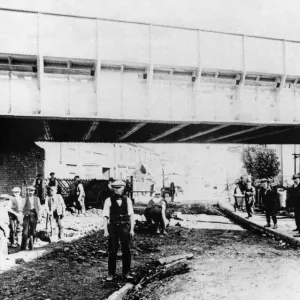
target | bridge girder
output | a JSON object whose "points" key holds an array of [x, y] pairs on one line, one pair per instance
{"points": [[57, 130]]}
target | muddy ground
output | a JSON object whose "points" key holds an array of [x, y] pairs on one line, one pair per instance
{"points": [[226, 258]]}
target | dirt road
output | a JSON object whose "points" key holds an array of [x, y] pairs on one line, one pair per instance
{"points": [[230, 263]]}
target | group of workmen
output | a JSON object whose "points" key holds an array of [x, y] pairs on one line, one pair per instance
{"points": [[269, 197], [43, 188], [19, 215]]}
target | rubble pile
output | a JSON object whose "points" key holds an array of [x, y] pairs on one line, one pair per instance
{"points": [[88, 248]]}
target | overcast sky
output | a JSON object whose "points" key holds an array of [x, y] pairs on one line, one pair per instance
{"points": [[275, 18]]}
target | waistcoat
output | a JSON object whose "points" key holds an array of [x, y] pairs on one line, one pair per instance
{"points": [[119, 214]]}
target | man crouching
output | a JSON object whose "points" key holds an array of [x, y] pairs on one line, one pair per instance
{"points": [[118, 222], [156, 212]]}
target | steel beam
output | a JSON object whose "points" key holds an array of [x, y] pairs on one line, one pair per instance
{"points": [[134, 129], [93, 127], [47, 134], [235, 133], [168, 132], [203, 133], [263, 135]]}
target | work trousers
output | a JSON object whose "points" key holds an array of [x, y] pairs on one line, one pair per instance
{"points": [[59, 221], [15, 229], [29, 230], [118, 232], [269, 214], [297, 216], [80, 205], [249, 207], [155, 214]]}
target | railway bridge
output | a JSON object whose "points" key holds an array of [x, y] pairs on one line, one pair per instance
{"points": [[75, 78]]}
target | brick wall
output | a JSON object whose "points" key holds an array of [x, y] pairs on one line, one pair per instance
{"points": [[19, 163]]}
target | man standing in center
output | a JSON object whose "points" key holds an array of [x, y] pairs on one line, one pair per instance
{"points": [[118, 222]]}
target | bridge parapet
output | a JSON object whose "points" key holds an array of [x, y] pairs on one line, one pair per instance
{"points": [[68, 66]]}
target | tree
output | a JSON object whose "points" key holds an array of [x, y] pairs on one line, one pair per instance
{"points": [[260, 162]]}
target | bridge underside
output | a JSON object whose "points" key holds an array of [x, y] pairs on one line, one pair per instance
{"points": [[15, 130]]}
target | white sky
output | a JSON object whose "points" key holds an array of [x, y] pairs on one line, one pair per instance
{"points": [[274, 18]]}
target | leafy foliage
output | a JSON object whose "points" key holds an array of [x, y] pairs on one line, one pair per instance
{"points": [[260, 162]]}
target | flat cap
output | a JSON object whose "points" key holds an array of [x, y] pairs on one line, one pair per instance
{"points": [[118, 183], [31, 188], [16, 189], [5, 196]]}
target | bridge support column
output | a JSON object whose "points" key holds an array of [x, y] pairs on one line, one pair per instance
{"points": [[19, 165]]}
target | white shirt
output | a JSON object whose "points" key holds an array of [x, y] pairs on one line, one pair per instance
{"points": [[107, 205]]}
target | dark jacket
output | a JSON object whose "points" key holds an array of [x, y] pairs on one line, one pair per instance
{"points": [[294, 196], [270, 200], [249, 195]]}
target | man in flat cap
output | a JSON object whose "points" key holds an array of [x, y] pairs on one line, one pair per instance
{"points": [[31, 212], [295, 200], [118, 222], [52, 181], [249, 193], [270, 202], [56, 208], [15, 211]]}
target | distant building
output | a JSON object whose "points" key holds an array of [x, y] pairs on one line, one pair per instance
{"points": [[99, 160]]}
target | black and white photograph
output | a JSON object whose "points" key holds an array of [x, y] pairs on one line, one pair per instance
{"points": [[149, 150]]}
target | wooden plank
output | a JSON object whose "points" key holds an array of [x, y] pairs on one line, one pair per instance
{"points": [[174, 258], [121, 293]]}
